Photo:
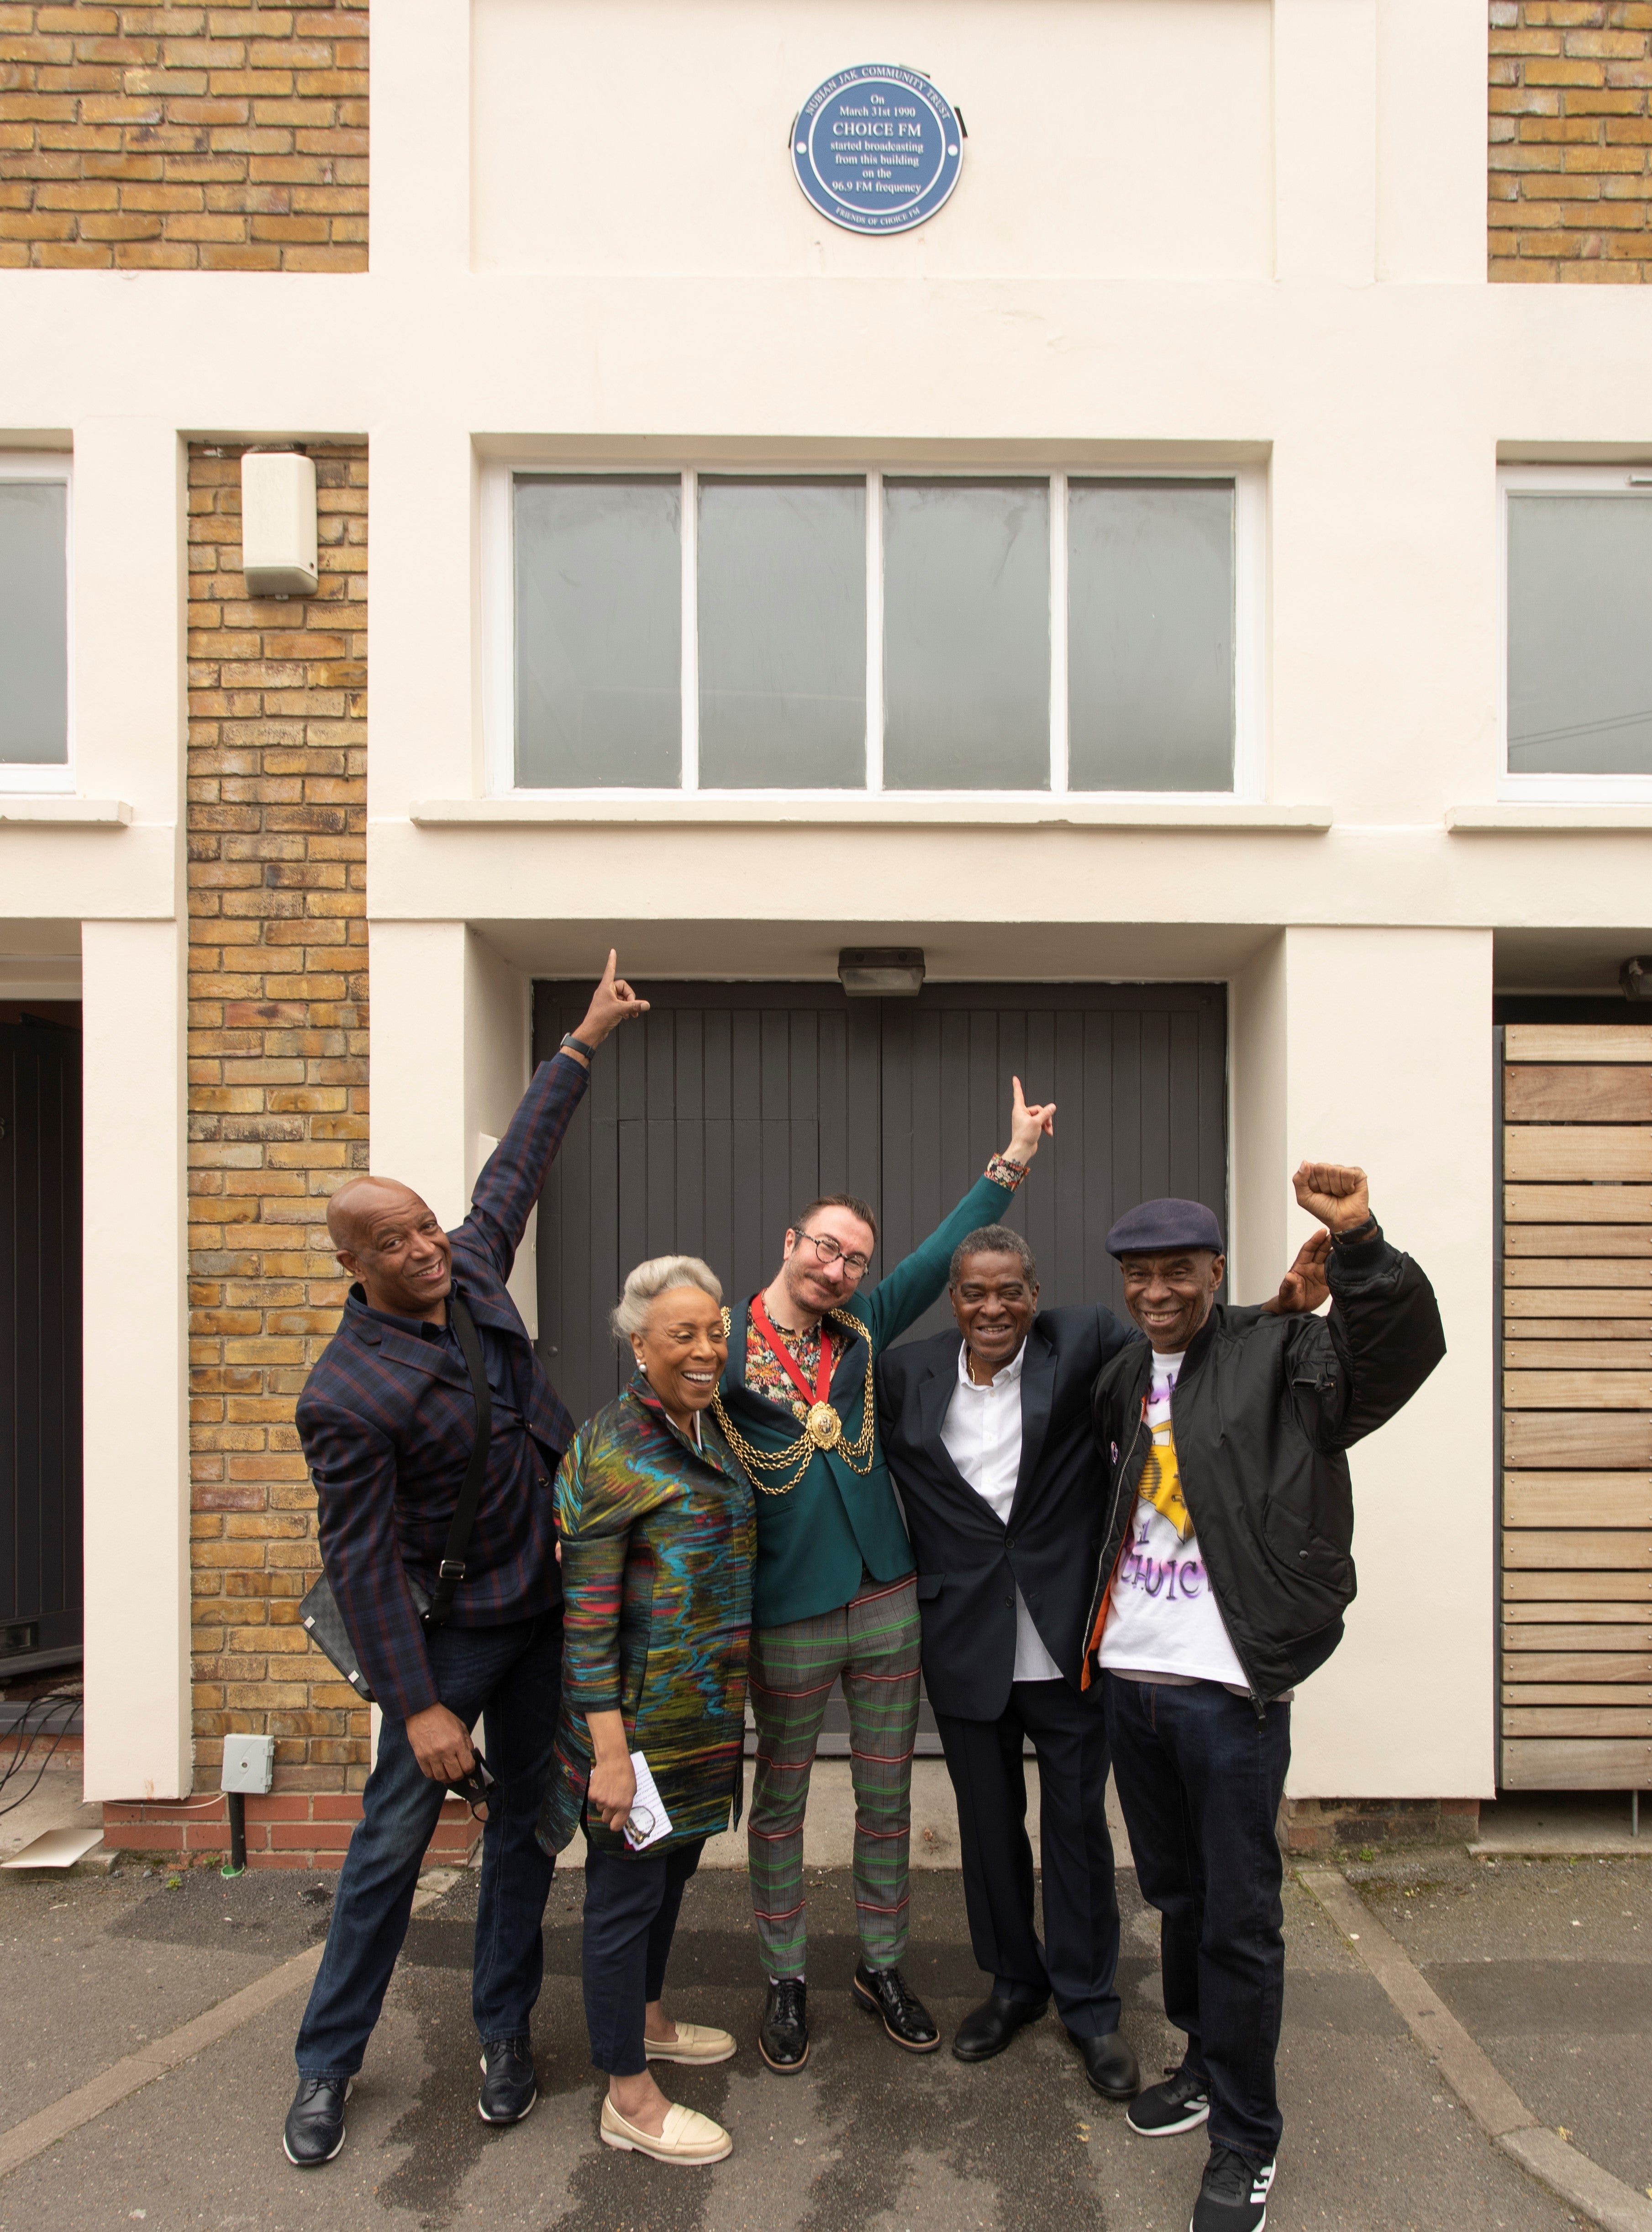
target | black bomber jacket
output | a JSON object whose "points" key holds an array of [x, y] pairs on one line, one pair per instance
{"points": [[1263, 1410]]}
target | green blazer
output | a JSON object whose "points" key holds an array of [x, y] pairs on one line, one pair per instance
{"points": [[814, 1541]]}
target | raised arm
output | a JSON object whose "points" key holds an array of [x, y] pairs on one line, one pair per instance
{"points": [[902, 1298], [514, 1176], [1384, 1335]]}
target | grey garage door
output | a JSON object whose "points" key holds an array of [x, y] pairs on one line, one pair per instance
{"points": [[711, 1123]]}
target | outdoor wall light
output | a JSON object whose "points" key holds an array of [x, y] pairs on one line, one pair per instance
{"points": [[881, 972], [278, 523]]}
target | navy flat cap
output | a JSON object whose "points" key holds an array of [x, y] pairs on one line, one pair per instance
{"points": [[1158, 1226]]}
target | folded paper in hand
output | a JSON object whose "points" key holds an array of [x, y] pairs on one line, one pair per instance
{"points": [[649, 1819]]}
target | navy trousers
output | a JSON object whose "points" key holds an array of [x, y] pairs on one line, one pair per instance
{"points": [[631, 1907], [514, 1675], [1200, 1780], [1077, 1959]]}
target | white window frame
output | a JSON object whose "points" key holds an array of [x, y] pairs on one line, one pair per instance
{"points": [[1584, 480], [49, 466], [498, 627]]}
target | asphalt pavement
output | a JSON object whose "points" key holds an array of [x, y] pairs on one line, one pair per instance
{"points": [[1548, 1964]]}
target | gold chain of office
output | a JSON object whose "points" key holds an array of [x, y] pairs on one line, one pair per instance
{"points": [[822, 1429]]}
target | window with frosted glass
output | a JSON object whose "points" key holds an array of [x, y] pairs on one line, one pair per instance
{"points": [[966, 635], [1579, 639], [598, 614], [34, 623], [1150, 635], [782, 633]]}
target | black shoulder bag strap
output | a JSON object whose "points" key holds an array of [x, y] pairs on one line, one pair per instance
{"points": [[451, 1571]]}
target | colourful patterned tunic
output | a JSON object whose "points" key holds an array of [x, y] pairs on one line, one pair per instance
{"points": [[659, 1541]]}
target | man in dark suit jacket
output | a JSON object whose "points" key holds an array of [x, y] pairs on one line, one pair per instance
{"points": [[990, 1444], [387, 1422]]}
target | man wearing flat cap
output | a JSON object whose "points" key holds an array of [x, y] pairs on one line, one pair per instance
{"points": [[1225, 1572]]}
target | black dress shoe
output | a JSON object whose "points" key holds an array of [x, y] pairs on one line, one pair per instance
{"points": [[783, 2038], [314, 2129], [1110, 2066], [988, 2029], [509, 2087], [884, 1992]]}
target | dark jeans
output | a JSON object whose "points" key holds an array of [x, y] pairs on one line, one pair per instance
{"points": [[1078, 1959], [513, 1674], [1200, 1780], [630, 1903]]}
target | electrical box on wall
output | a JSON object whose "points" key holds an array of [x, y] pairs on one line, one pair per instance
{"points": [[278, 523], [249, 1764]]}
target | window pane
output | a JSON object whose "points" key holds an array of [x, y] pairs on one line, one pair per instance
{"points": [[1150, 635], [34, 623], [782, 600], [599, 631], [966, 635], [1579, 641]]}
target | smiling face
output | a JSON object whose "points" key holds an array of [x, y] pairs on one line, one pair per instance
{"points": [[993, 1302], [814, 1286], [1170, 1296], [390, 1240], [682, 1350]]}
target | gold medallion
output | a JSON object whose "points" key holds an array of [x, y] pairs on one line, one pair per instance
{"points": [[824, 1426]]}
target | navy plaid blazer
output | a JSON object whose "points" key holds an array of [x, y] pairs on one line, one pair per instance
{"points": [[387, 1422]]}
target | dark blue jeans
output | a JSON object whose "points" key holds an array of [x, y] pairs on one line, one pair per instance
{"points": [[631, 1907], [514, 1675], [1200, 1780]]}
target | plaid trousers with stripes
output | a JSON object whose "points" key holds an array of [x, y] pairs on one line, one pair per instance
{"points": [[872, 1642]]}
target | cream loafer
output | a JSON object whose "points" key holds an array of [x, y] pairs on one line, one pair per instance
{"points": [[688, 2137], [693, 2043]]}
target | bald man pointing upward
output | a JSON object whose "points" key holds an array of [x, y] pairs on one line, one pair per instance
{"points": [[388, 1422]]}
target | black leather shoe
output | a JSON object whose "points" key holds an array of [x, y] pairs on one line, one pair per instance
{"points": [[314, 2129], [988, 2029], [884, 1992], [1110, 2066], [783, 2038], [509, 2087]]}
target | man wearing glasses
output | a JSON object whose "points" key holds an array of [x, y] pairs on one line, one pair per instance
{"points": [[835, 1592]]}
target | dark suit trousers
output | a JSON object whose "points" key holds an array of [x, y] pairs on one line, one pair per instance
{"points": [[1077, 1962]]}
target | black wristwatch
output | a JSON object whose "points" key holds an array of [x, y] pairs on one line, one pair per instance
{"points": [[578, 1046], [1360, 1232]]}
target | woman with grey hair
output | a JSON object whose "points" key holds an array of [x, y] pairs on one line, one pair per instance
{"points": [[657, 1528]]}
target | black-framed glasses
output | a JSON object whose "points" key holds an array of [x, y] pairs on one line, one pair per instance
{"points": [[829, 1252]]}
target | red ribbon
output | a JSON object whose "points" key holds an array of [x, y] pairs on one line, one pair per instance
{"points": [[787, 1363]]}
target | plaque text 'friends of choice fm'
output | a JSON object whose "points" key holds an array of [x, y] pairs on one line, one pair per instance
{"points": [[878, 149]]}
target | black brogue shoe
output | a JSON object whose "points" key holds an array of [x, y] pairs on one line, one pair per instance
{"points": [[1112, 2069], [988, 2029], [783, 2038], [314, 2129], [509, 2087], [885, 1992]]}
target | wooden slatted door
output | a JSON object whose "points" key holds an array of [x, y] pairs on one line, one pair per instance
{"points": [[1576, 1327]]}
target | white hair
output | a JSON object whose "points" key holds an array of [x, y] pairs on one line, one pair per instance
{"points": [[655, 1277]]}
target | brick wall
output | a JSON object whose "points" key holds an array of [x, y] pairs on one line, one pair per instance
{"points": [[1571, 155], [184, 139], [277, 1097]]}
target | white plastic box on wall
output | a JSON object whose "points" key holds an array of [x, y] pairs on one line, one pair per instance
{"points": [[278, 552]]}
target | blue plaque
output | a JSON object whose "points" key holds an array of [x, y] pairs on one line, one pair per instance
{"points": [[878, 149]]}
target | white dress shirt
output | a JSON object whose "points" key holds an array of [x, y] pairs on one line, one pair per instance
{"points": [[981, 1433]]}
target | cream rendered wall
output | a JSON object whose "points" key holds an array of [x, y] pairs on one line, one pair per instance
{"points": [[669, 144], [137, 1460], [1388, 1063], [498, 1022]]}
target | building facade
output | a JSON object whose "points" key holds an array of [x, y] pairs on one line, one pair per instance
{"points": [[1188, 591]]}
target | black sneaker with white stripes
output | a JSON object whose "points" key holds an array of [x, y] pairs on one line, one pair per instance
{"points": [[1232, 2197], [1176, 2105]]}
